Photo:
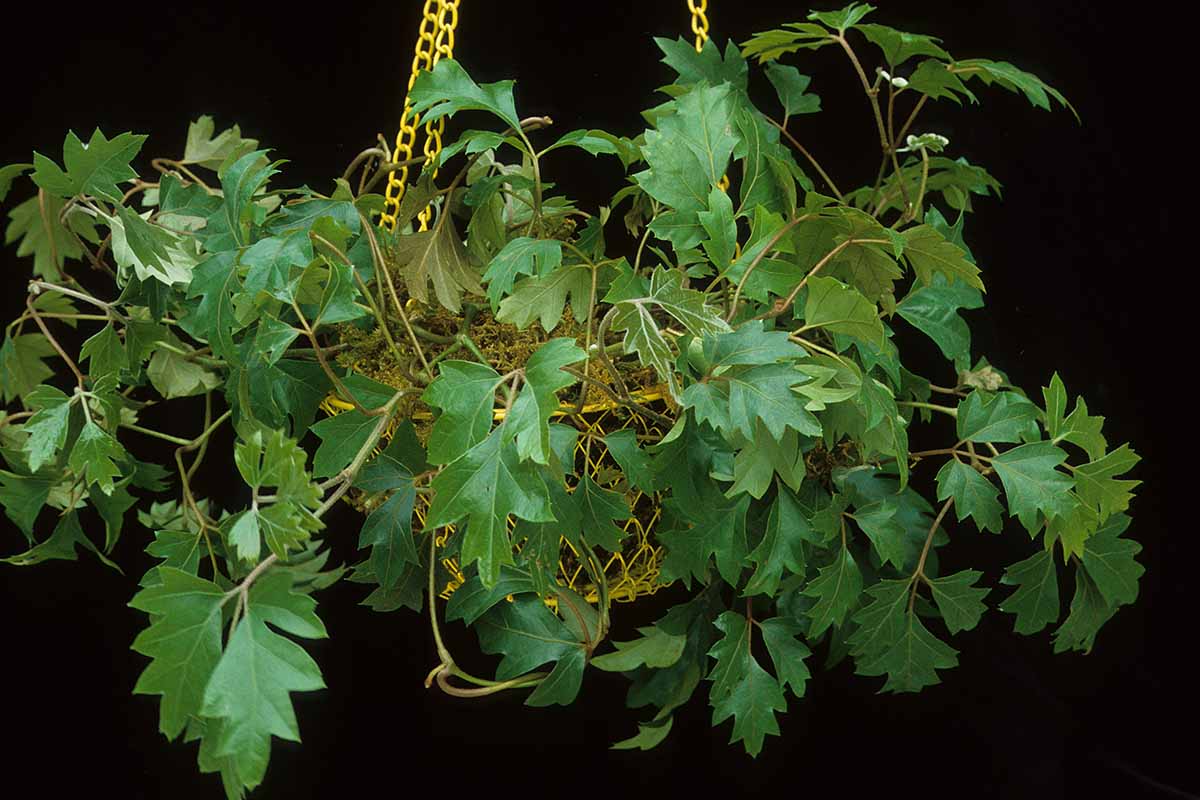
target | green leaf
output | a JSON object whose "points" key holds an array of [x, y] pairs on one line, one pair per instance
{"points": [[112, 508], [94, 168], [1109, 562], [543, 298], [9, 173], [105, 352], [933, 78], [1032, 484], [274, 337], [648, 736], [1072, 528], [642, 335], [756, 464], [912, 661], [1089, 612], [152, 252], [767, 186], [60, 545], [759, 395], [342, 436], [974, 495], [749, 344], [959, 600], [528, 635], [270, 261], [656, 649], [229, 226], [770, 45], [1079, 428], [880, 623], [212, 152], [841, 309], [878, 521], [47, 428], [388, 532], [521, 256], [528, 419], [184, 641], [437, 255], [338, 297], [23, 497], [448, 89], [836, 589], [691, 149], [598, 142], [718, 223], [741, 688], [465, 393], [1095, 484], [1013, 79], [215, 281], [791, 86], [272, 459], [94, 455], [471, 600], [22, 364], [277, 601], [249, 689], [787, 654], [174, 375], [715, 529], [781, 546], [929, 252], [486, 485], [36, 224], [1001, 417], [843, 18], [705, 66], [634, 462], [933, 310], [898, 46], [1035, 602], [598, 509]]}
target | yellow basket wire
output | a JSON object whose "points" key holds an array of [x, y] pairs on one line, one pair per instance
{"points": [[631, 573]]}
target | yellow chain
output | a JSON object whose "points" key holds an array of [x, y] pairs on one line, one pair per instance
{"points": [[435, 40], [699, 21], [699, 10]]}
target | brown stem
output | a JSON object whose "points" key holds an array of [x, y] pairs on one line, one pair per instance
{"points": [[779, 234], [804, 152], [32, 312], [920, 570]]}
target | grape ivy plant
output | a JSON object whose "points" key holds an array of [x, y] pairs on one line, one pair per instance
{"points": [[759, 301]]}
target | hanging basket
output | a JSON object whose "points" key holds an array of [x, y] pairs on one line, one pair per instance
{"points": [[631, 573]]}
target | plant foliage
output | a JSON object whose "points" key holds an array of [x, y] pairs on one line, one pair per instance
{"points": [[769, 313]]}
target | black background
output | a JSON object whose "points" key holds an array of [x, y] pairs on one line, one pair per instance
{"points": [[1079, 267]]}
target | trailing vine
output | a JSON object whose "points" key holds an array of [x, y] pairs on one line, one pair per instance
{"points": [[537, 426]]}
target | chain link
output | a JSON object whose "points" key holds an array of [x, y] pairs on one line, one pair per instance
{"points": [[699, 9], [435, 40], [699, 21]]}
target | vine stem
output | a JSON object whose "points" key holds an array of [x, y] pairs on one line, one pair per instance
{"points": [[920, 570], [446, 666], [348, 474], [779, 234], [381, 268], [953, 412], [783, 305], [872, 95], [37, 318], [804, 152]]}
